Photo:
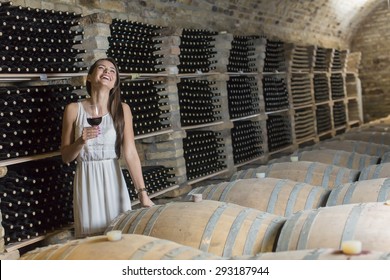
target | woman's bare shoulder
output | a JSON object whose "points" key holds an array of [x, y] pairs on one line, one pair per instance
{"points": [[126, 108]]}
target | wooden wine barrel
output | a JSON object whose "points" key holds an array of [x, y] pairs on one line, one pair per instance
{"points": [[356, 146], [317, 254], [130, 247], [313, 173], [281, 197], [223, 229], [374, 190], [385, 158], [382, 138], [350, 160], [328, 227], [375, 171]]}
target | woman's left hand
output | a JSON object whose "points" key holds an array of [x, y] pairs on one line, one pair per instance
{"points": [[145, 200]]}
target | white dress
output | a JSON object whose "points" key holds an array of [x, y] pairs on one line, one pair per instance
{"points": [[100, 193]]}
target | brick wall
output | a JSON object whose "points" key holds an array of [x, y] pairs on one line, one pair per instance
{"points": [[373, 41]]}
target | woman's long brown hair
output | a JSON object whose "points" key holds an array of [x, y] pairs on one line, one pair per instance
{"points": [[114, 106]]}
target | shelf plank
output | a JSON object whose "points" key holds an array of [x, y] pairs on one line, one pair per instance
{"points": [[201, 125], [161, 132], [13, 161], [207, 177]]}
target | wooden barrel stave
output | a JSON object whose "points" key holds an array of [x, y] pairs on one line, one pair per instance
{"points": [[130, 247], [281, 197], [374, 190], [350, 160], [313, 173], [375, 171], [317, 254], [328, 227], [356, 146], [223, 229]]}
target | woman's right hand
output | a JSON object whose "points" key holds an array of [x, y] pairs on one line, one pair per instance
{"points": [[90, 133]]}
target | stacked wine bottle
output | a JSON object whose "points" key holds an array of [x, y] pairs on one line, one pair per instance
{"points": [[322, 59], [199, 102], [301, 58], [247, 141], [301, 90], [203, 153], [304, 123], [321, 87], [31, 118], [337, 86], [39, 40], [323, 118], [241, 57], [36, 198], [337, 64], [134, 46], [339, 114], [157, 178], [197, 51], [243, 96], [149, 105], [275, 93], [275, 60], [278, 132]]}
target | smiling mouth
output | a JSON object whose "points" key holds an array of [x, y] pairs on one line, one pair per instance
{"points": [[105, 77]]}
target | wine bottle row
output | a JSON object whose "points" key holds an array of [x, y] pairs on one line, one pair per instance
{"points": [[339, 114], [304, 123], [203, 153], [301, 90], [337, 86], [337, 64], [149, 105], [275, 94], [322, 59], [157, 178], [199, 102], [321, 88], [275, 60], [39, 41], [241, 56], [31, 118], [323, 118], [36, 197], [301, 59], [133, 46], [278, 132], [197, 51], [243, 96], [247, 141]]}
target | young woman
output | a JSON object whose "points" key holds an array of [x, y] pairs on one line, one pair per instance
{"points": [[100, 191]]}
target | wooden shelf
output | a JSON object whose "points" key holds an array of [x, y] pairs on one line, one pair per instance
{"points": [[201, 125], [14, 77], [194, 181], [13, 161], [148, 135], [262, 157], [245, 118]]}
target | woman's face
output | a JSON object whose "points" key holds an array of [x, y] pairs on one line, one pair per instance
{"points": [[104, 75]]}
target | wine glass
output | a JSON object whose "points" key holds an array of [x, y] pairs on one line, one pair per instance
{"points": [[94, 118], [94, 115]]}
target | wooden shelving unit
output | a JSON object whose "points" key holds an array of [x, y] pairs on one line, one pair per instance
{"points": [[306, 71]]}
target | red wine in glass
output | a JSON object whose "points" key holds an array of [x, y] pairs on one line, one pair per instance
{"points": [[94, 121]]}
